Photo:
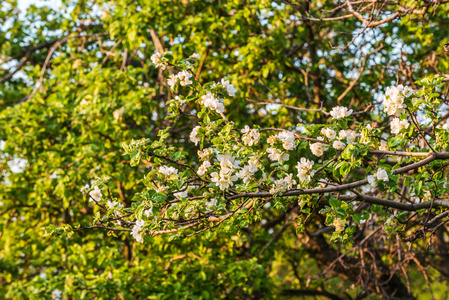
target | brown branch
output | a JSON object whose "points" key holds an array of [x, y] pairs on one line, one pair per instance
{"points": [[434, 156], [362, 68], [18, 67]]}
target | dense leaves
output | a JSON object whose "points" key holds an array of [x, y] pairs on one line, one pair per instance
{"points": [[78, 83]]}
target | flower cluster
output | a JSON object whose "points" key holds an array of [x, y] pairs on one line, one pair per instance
{"points": [[304, 168], [95, 194], [288, 139], [317, 148], [203, 168], [381, 174], [251, 175], [204, 154], [338, 145], [137, 231], [168, 171], [113, 204], [339, 225], [339, 112], [228, 87], [212, 202], [157, 60], [193, 135], [209, 100], [195, 56], [226, 177], [182, 77], [349, 135], [329, 133], [251, 137], [394, 99], [397, 125], [283, 184], [279, 155], [247, 172]]}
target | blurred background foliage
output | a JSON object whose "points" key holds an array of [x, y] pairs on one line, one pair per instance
{"points": [[76, 82]]}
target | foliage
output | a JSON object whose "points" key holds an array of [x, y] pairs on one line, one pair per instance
{"points": [[84, 100]]}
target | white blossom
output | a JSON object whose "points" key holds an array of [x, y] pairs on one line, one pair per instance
{"points": [[205, 153], [282, 185], [136, 232], [84, 102], [229, 87], [56, 294], [276, 154], [406, 91], [254, 161], [193, 135], [304, 168], [172, 81], [251, 137], [288, 139], [156, 59], [148, 212], [247, 172], [168, 171], [184, 78], [161, 189], [181, 195], [227, 161], [339, 224], [349, 135], [212, 202], [383, 145], [203, 168], [195, 56], [339, 145], [84, 189], [209, 100], [181, 101], [112, 204], [118, 113], [329, 133], [246, 129], [339, 112], [381, 174], [372, 180], [317, 149], [397, 125], [394, 99], [224, 179], [271, 140], [96, 194]]}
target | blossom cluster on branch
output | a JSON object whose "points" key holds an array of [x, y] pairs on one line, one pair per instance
{"points": [[334, 165]]}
